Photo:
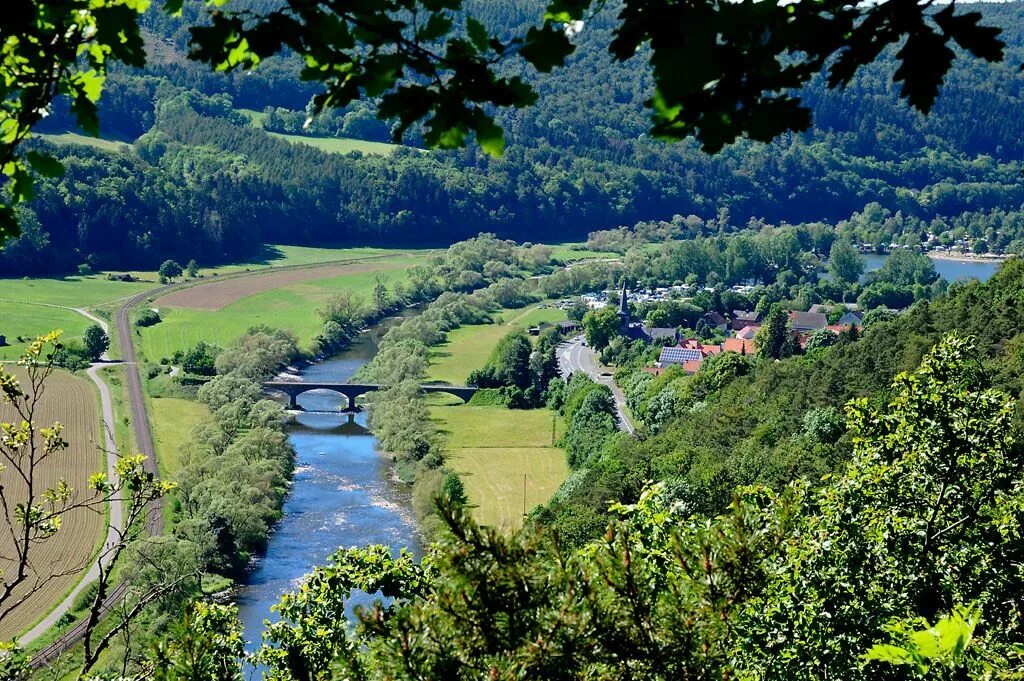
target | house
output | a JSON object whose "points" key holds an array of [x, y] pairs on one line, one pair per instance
{"points": [[715, 320], [688, 353], [744, 318], [748, 332], [741, 346], [668, 334], [806, 322], [852, 318], [568, 326]]}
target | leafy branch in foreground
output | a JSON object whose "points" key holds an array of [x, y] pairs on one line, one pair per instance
{"points": [[49, 49]]}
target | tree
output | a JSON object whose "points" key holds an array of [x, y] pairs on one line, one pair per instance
{"points": [[169, 270], [95, 341], [192, 268], [823, 338], [844, 262], [434, 64], [576, 309], [36, 510], [600, 326], [774, 338]]}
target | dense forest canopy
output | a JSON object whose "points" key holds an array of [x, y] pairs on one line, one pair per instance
{"points": [[200, 181]]}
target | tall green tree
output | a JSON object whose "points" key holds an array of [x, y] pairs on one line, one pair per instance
{"points": [[95, 341], [774, 338], [844, 262], [601, 326]]}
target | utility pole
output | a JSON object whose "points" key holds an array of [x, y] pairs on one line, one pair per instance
{"points": [[524, 496]]}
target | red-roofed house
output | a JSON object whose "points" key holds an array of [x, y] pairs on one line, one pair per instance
{"points": [[740, 346]]}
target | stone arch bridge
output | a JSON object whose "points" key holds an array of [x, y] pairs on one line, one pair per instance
{"points": [[353, 390]]}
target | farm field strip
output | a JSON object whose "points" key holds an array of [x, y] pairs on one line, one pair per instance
{"points": [[215, 295], [71, 401], [290, 307], [494, 480], [30, 320]]}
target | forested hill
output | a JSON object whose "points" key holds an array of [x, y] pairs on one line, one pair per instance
{"points": [[771, 422], [201, 181]]}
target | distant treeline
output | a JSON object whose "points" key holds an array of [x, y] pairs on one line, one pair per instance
{"points": [[201, 182]]}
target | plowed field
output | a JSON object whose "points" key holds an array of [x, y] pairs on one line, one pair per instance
{"points": [[217, 294], [71, 401]]}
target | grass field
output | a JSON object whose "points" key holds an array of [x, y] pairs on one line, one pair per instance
{"points": [[69, 291], [71, 401], [172, 419], [469, 347], [572, 252], [493, 448], [277, 255], [95, 142], [292, 306], [28, 321], [334, 145]]}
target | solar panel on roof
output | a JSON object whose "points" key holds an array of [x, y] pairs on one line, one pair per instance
{"points": [[679, 355]]}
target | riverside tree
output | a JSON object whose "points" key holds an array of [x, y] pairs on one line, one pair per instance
{"points": [[922, 527]]}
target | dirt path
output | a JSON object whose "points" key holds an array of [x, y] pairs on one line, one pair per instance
{"points": [[115, 528]]}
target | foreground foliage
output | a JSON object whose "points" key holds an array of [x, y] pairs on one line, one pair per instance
{"points": [[838, 581]]}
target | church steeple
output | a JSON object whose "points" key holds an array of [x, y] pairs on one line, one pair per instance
{"points": [[624, 315]]}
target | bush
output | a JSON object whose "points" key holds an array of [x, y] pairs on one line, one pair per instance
{"points": [[148, 317]]}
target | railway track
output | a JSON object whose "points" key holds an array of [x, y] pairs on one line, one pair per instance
{"points": [[144, 445]]}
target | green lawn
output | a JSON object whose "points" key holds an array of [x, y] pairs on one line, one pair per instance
{"points": [[172, 419], [23, 319], [291, 307], [469, 347], [95, 142], [339, 145], [69, 291], [334, 145], [493, 448]]}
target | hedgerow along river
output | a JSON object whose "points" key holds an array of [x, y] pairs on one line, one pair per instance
{"points": [[342, 495]]}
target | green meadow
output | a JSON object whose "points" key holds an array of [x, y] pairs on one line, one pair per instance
{"points": [[28, 321], [469, 347], [85, 140], [332, 145], [292, 307], [71, 291], [495, 450]]}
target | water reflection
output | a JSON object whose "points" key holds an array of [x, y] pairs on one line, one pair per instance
{"points": [[343, 494]]}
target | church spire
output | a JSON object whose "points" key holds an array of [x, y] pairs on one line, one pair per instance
{"points": [[624, 315]]}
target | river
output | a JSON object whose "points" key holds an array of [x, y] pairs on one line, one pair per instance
{"points": [[343, 493], [950, 270]]}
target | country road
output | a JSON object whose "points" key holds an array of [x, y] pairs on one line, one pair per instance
{"points": [[143, 445], [116, 527], [575, 356]]}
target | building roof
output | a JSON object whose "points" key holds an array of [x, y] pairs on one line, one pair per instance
{"points": [[747, 315], [748, 332], [850, 318], [714, 317], [693, 366], [740, 346], [677, 355], [808, 321], [662, 332]]}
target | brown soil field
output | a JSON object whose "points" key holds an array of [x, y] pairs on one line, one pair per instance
{"points": [[71, 401], [217, 294]]}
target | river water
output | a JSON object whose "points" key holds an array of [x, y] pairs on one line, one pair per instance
{"points": [[343, 494], [950, 270]]}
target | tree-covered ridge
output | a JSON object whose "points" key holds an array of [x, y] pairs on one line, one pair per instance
{"points": [[770, 422], [904, 565], [578, 161]]}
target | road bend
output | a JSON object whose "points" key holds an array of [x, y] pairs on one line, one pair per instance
{"points": [[574, 356]]}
